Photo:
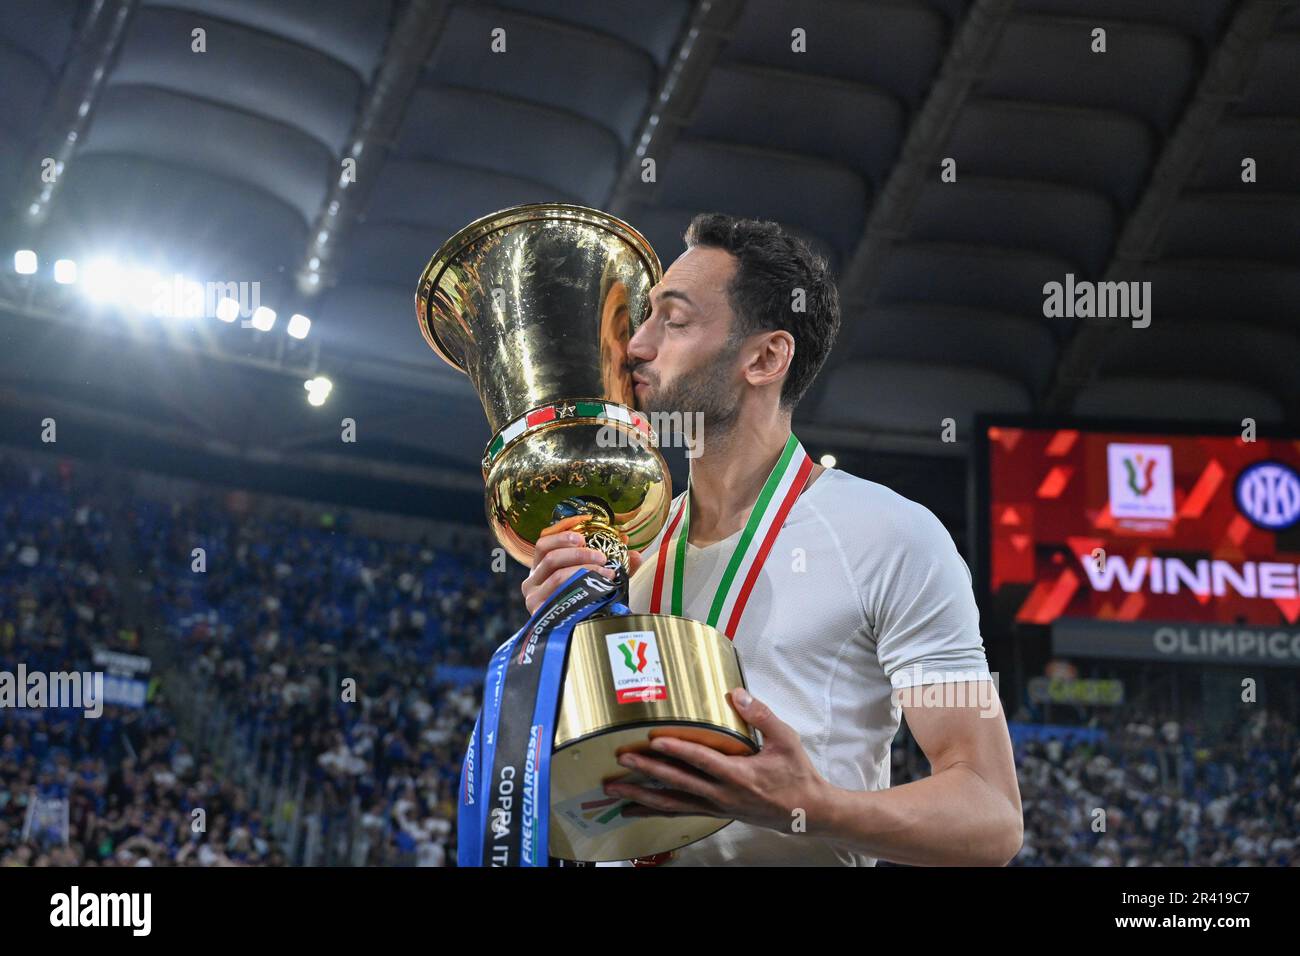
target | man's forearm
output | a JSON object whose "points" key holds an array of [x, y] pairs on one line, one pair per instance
{"points": [[953, 818]]}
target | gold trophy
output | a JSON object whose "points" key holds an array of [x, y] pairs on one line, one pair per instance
{"points": [[536, 304]]}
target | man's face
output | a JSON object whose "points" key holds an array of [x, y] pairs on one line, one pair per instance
{"points": [[682, 351]]}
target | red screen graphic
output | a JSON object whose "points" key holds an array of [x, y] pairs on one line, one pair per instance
{"points": [[1142, 526]]}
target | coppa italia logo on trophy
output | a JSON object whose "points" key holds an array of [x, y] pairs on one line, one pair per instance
{"points": [[634, 663]]}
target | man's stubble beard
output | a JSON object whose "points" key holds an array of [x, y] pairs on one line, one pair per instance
{"points": [[704, 392]]}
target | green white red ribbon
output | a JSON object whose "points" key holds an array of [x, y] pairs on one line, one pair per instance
{"points": [[788, 478]]}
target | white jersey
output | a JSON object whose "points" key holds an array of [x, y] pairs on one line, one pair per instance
{"points": [[863, 591]]}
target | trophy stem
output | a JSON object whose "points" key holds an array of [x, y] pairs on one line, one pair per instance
{"points": [[599, 530]]}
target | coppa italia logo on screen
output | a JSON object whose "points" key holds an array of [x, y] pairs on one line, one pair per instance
{"points": [[638, 673], [1129, 527], [1141, 479]]}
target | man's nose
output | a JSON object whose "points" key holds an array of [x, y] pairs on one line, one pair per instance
{"points": [[639, 347]]}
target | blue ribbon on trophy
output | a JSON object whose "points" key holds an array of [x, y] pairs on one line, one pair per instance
{"points": [[505, 784]]}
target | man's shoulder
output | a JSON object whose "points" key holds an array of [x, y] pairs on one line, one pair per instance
{"points": [[872, 522], [849, 498]]}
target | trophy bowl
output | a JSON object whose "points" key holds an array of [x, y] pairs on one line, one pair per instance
{"points": [[536, 305]]}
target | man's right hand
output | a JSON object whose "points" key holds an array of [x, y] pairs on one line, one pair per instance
{"points": [[559, 553]]}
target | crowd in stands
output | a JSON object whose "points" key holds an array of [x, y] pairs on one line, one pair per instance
{"points": [[1170, 796], [1149, 791], [333, 645], [346, 661], [119, 789]]}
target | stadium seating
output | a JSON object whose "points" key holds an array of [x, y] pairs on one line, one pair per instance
{"points": [[291, 768]]}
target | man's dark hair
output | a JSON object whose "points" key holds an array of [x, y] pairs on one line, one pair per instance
{"points": [[770, 266]]}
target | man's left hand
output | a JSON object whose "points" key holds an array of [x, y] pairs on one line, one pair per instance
{"points": [[777, 788]]}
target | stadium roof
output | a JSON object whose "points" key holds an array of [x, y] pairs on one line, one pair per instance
{"points": [[226, 164]]}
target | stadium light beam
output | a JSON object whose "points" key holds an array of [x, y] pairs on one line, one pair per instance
{"points": [[227, 309], [299, 325], [25, 262], [191, 304], [102, 281], [65, 271], [263, 319], [318, 389], [141, 291]]}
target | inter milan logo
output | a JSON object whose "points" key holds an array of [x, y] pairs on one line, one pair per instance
{"points": [[1268, 493]]}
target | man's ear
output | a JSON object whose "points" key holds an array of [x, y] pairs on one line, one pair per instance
{"points": [[772, 358]]}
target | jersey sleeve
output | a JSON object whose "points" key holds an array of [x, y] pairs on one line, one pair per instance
{"points": [[919, 602]]}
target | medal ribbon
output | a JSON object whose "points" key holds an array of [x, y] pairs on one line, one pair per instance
{"points": [[787, 480]]}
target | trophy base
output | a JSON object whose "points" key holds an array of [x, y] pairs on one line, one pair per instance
{"points": [[589, 826], [628, 680]]}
